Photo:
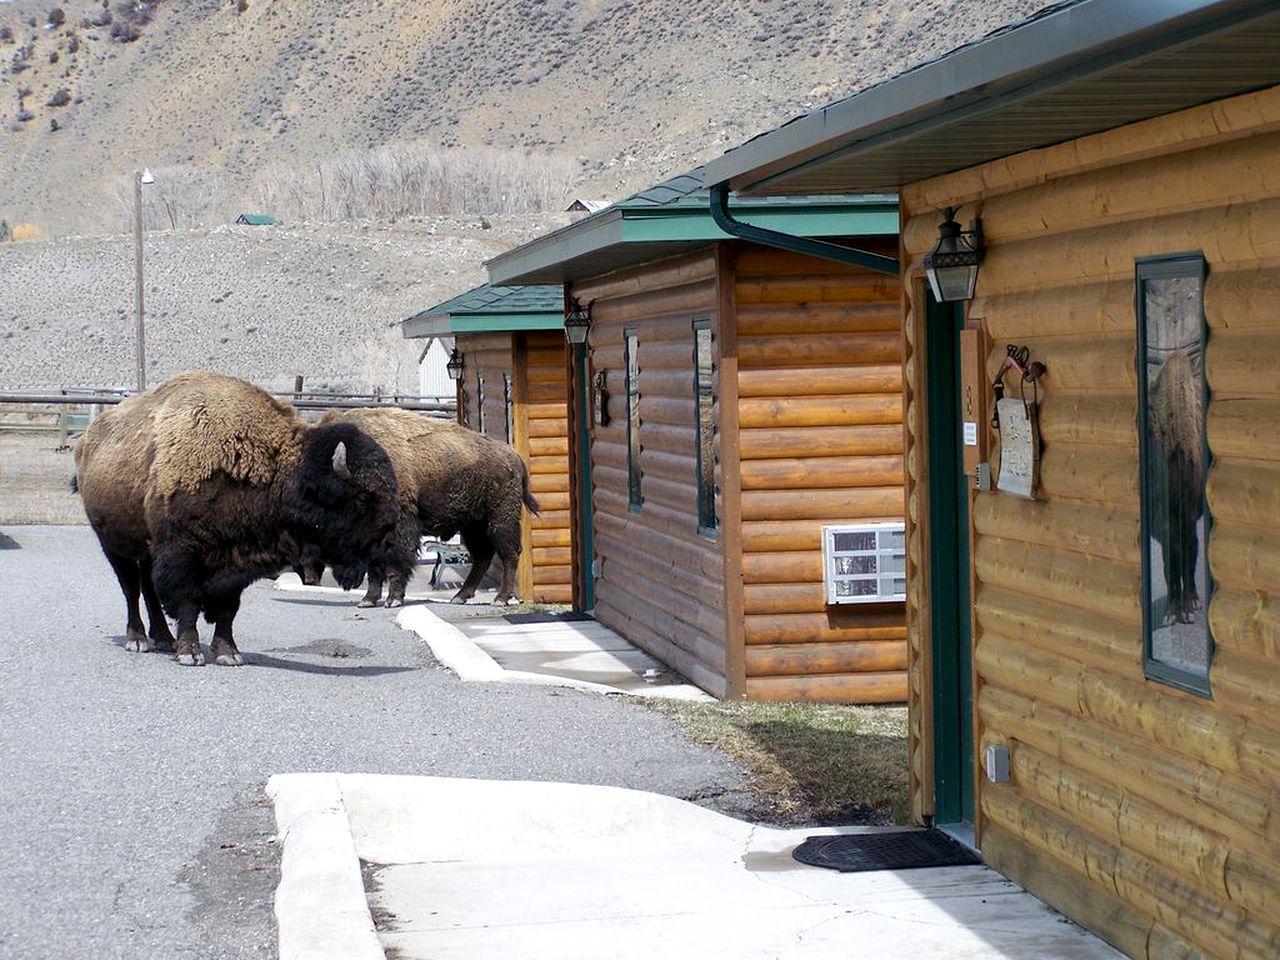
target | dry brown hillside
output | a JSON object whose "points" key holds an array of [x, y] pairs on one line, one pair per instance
{"points": [[606, 96]]}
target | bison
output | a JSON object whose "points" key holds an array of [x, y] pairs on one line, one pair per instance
{"points": [[452, 481], [206, 483]]}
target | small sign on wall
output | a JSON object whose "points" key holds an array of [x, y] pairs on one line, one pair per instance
{"points": [[600, 399]]}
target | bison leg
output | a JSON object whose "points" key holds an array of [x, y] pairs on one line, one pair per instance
{"points": [[373, 594], [186, 649], [222, 612], [130, 577], [481, 550], [161, 635], [396, 587], [507, 592]]}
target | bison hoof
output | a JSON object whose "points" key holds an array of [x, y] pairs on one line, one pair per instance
{"points": [[137, 644], [190, 659], [395, 601], [459, 599], [163, 644], [366, 602], [230, 660]]}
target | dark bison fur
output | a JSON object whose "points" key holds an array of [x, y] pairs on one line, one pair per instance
{"points": [[452, 481], [206, 483]]}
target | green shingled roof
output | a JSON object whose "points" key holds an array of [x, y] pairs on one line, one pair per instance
{"points": [[675, 217], [490, 309]]}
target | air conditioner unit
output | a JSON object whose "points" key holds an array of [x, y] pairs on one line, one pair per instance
{"points": [[865, 563]]}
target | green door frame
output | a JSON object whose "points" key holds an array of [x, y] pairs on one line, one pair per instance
{"points": [[951, 639], [583, 401]]}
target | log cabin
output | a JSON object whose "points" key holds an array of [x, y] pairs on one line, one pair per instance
{"points": [[1094, 634], [734, 405], [513, 387]]}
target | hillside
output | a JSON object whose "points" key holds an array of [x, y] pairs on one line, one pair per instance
{"points": [[603, 97]]}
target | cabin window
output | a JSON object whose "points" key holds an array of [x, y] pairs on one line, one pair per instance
{"points": [[508, 407], [480, 402], [1174, 464], [632, 363], [704, 394]]}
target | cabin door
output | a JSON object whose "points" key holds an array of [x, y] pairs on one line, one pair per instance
{"points": [[949, 570]]}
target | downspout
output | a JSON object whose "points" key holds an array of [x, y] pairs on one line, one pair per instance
{"points": [[786, 241]]}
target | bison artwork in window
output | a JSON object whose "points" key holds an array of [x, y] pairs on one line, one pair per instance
{"points": [[1174, 468]]}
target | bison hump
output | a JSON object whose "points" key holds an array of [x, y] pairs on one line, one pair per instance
{"points": [[235, 430]]}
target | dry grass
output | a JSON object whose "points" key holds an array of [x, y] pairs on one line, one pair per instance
{"points": [[811, 763]]}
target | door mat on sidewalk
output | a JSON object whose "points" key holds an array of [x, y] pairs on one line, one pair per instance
{"points": [[904, 850]]}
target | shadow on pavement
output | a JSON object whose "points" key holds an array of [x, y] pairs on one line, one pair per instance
{"points": [[8, 543], [263, 660]]}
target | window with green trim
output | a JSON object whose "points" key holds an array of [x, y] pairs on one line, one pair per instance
{"points": [[1173, 469], [508, 407], [704, 395], [631, 344]]}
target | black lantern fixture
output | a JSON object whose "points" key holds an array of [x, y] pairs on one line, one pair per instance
{"points": [[454, 366], [952, 264], [577, 322]]}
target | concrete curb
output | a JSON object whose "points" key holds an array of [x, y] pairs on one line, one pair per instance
{"points": [[321, 907], [469, 661]]}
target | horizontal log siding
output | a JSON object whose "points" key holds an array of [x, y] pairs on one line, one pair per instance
{"points": [[489, 355], [820, 411], [1148, 814], [544, 434], [660, 584]]}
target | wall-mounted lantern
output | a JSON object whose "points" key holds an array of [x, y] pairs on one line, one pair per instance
{"points": [[577, 322], [952, 264], [454, 366]]}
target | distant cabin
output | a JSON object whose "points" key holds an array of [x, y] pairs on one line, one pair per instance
{"points": [[586, 206], [257, 220]]}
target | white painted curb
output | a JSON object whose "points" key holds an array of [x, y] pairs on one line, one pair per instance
{"points": [[465, 657], [322, 910]]}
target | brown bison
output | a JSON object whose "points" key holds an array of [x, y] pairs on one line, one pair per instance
{"points": [[452, 481], [204, 484], [1178, 470]]}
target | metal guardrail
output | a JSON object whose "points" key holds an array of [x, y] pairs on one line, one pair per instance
{"points": [[306, 402]]}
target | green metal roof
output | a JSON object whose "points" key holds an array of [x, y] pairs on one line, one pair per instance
{"points": [[258, 220], [1076, 68], [490, 309], [674, 217]]}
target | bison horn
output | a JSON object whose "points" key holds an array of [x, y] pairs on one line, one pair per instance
{"points": [[340, 461]]}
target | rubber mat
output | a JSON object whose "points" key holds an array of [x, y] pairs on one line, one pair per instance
{"points": [[547, 617], [898, 850]]}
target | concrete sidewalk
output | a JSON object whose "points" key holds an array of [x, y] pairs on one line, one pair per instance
{"points": [[481, 869]]}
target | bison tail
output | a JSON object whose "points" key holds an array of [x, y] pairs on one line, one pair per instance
{"points": [[530, 500]]}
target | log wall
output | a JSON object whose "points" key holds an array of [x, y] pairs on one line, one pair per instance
{"points": [[820, 417], [659, 583], [535, 362], [1148, 814]]}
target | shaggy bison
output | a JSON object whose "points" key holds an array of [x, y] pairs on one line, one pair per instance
{"points": [[452, 480], [204, 484]]}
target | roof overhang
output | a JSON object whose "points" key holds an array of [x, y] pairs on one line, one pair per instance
{"points": [[1079, 69], [623, 236], [453, 324]]}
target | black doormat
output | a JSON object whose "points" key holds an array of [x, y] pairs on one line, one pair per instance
{"points": [[898, 850], [539, 616]]}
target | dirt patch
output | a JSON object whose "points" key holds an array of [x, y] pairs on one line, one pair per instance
{"points": [[35, 480]]}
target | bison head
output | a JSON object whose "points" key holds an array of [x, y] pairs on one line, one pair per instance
{"points": [[341, 503]]}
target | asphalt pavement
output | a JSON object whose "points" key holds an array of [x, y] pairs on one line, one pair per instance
{"points": [[132, 818]]}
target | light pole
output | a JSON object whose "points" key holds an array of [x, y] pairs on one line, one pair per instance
{"points": [[139, 178]]}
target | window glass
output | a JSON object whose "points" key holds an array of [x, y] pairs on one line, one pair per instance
{"points": [[480, 402], [630, 349], [704, 393], [1174, 468]]}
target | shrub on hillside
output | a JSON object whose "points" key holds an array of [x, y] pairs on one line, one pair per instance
{"points": [[415, 179], [60, 99], [57, 17]]}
